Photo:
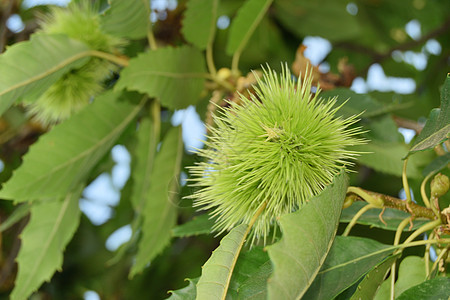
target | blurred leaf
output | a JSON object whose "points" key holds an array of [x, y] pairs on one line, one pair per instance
{"points": [[383, 128], [20, 212], [349, 259], [307, 238], [199, 23], [411, 272], [437, 128], [198, 225], [63, 157], [160, 208], [327, 18], [437, 164], [247, 19], [434, 289], [217, 271], [387, 157], [51, 227], [174, 75], [29, 68], [128, 19], [144, 153], [356, 104], [369, 285], [391, 216], [186, 293]]}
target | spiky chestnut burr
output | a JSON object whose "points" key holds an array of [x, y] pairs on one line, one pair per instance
{"points": [[76, 88], [278, 148]]}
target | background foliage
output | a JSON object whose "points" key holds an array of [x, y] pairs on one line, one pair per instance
{"points": [[200, 51]]}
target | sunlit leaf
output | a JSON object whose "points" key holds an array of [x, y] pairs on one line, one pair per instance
{"points": [[349, 259], [129, 19], [29, 68], [307, 238], [63, 157], [174, 75], [160, 207], [437, 128], [245, 23], [392, 217], [18, 214], [187, 293], [198, 225], [51, 227], [199, 23], [369, 285]]}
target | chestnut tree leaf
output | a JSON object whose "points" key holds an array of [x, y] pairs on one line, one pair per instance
{"points": [[242, 27], [174, 75], [51, 227], [198, 225], [128, 19], [307, 238], [28, 69], [348, 260], [437, 288], [160, 208], [199, 23], [437, 128], [63, 157]]}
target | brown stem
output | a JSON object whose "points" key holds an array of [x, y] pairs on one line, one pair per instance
{"points": [[418, 211]]}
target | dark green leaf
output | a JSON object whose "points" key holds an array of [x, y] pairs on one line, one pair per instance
{"points": [[128, 19], [51, 227], [245, 23], [348, 260], [371, 282], [437, 164], [198, 225], [356, 104], [28, 69], [391, 216], [328, 19], [437, 128], [160, 208], [174, 75], [63, 157], [199, 23], [434, 289], [307, 238]]}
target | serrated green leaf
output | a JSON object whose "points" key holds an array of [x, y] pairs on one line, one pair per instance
{"points": [[369, 285], [307, 238], [144, 154], [434, 289], [437, 128], [51, 227], [198, 225], [199, 23], [28, 69], [63, 157], [174, 75], [387, 157], [437, 164], [349, 259], [128, 19], [392, 217], [216, 272], [245, 23], [187, 293], [15, 216], [160, 208]]}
